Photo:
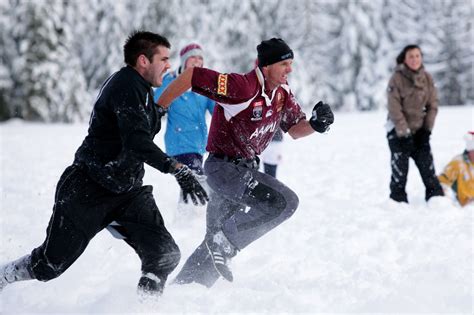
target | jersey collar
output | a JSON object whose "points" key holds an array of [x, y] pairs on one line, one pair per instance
{"points": [[261, 80]]}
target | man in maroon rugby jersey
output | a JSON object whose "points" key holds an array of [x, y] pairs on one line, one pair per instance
{"points": [[245, 203]]}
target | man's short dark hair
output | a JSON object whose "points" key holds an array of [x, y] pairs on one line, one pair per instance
{"points": [[142, 43]]}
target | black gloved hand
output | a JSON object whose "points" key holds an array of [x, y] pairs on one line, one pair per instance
{"points": [[322, 117], [190, 185], [422, 136], [161, 110], [406, 143]]}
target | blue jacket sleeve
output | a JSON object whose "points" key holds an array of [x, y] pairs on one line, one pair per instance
{"points": [[210, 105]]}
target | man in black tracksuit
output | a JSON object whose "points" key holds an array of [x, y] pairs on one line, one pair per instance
{"points": [[103, 187]]}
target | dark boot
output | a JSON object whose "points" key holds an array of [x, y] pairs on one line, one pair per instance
{"points": [[150, 285], [435, 191], [399, 196]]}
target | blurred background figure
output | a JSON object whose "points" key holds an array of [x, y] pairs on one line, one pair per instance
{"points": [[412, 110], [272, 155], [458, 176], [186, 128]]}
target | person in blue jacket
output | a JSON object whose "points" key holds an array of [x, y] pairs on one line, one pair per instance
{"points": [[186, 130]]}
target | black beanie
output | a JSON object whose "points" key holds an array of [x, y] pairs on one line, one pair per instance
{"points": [[272, 51]]}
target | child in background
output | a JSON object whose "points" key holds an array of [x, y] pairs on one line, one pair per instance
{"points": [[458, 175]]}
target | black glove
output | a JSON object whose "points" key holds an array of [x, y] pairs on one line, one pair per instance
{"points": [[406, 143], [161, 110], [322, 117], [422, 136], [190, 185]]}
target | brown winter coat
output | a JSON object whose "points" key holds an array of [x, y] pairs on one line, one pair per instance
{"points": [[412, 100]]}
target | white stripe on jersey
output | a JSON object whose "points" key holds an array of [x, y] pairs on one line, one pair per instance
{"points": [[232, 110], [100, 93]]}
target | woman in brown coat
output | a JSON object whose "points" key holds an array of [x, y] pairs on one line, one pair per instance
{"points": [[412, 109]]}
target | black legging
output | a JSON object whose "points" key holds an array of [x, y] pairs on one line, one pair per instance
{"points": [[421, 154]]}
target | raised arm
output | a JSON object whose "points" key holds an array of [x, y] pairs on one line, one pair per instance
{"points": [[176, 88]]}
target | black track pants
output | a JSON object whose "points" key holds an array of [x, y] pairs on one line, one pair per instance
{"points": [[83, 208], [244, 203]]}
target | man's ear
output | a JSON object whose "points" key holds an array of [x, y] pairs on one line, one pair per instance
{"points": [[142, 61]]}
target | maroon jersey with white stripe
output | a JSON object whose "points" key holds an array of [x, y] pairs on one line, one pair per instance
{"points": [[245, 118]]}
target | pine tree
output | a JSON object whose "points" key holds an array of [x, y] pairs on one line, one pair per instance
{"points": [[47, 79], [351, 44], [179, 25], [100, 31], [452, 57]]}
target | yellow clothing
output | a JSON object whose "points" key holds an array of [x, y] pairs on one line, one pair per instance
{"points": [[459, 175]]}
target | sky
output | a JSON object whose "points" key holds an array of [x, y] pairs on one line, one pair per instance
{"points": [[348, 249]]}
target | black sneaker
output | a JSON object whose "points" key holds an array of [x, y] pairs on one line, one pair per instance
{"points": [[221, 251], [198, 268]]}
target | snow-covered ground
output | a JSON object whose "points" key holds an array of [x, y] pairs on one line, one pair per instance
{"points": [[347, 249]]}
